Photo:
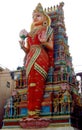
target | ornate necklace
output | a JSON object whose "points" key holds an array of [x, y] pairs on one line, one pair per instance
{"points": [[34, 31]]}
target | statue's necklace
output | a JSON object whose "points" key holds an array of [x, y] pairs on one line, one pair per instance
{"points": [[34, 31]]}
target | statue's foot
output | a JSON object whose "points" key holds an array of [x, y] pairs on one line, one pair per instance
{"points": [[34, 116], [26, 119], [23, 119]]}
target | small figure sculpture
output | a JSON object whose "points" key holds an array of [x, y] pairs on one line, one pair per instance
{"points": [[37, 44]]}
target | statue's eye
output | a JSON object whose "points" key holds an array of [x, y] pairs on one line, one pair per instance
{"points": [[38, 15]]}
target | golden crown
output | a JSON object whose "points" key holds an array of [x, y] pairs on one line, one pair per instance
{"points": [[39, 8]]}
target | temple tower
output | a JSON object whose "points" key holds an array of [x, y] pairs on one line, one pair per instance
{"points": [[61, 103]]}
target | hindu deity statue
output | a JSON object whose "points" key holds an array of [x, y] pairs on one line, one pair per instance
{"points": [[38, 45]]}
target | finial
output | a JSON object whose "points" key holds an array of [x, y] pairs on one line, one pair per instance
{"points": [[48, 9], [54, 7], [51, 8], [62, 4], [45, 9]]}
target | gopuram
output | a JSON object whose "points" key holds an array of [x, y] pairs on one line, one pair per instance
{"points": [[46, 93]]}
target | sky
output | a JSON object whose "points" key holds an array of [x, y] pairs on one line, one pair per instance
{"points": [[16, 15]]}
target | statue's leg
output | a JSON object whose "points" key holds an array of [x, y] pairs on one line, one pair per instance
{"points": [[36, 83]]}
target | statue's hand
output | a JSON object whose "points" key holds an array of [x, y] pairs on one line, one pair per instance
{"points": [[22, 43], [42, 37]]}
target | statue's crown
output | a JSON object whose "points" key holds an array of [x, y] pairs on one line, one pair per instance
{"points": [[39, 8]]}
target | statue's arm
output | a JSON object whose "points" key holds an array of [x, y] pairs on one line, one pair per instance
{"points": [[49, 43], [22, 45], [46, 38]]}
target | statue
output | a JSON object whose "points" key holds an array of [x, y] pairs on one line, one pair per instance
{"points": [[37, 44]]}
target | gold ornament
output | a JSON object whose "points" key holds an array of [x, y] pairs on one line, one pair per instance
{"points": [[38, 8]]}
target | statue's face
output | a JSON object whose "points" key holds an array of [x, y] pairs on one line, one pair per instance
{"points": [[38, 18]]}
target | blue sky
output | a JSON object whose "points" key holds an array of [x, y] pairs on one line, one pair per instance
{"points": [[17, 14]]}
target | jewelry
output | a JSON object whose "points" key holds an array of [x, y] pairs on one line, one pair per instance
{"points": [[45, 23]]}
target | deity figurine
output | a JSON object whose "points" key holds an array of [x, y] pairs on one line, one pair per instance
{"points": [[38, 45]]}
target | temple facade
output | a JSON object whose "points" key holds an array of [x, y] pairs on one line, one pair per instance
{"points": [[61, 103]]}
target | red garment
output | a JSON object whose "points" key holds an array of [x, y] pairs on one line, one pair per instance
{"points": [[37, 66]]}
